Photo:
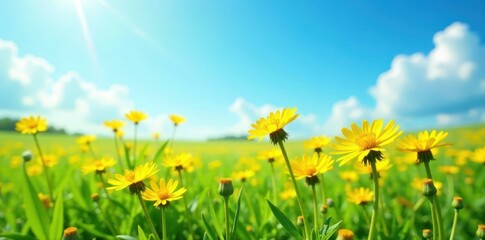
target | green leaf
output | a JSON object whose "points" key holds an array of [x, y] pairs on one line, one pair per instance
{"points": [[57, 224], [34, 210], [214, 219], [93, 230], [285, 222], [141, 234], [126, 237], [209, 232], [127, 156], [236, 214], [15, 236], [160, 150], [331, 230]]}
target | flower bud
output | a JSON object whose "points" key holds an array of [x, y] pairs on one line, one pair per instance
{"points": [[95, 197], [27, 156], [457, 203], [345, 234], [300, 221], [427, 233], [225, 187], [70, 233], [429, 189], [330, 202], [324, 209], [481, 231]]}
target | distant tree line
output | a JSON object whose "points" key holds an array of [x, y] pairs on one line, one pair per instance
{"points": [[8, 124], [230, 137]]}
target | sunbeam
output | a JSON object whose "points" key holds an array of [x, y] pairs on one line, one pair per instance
{"points": [[86, 33]]}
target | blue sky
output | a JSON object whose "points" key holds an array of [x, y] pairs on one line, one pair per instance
{"points": [[223, 64]]}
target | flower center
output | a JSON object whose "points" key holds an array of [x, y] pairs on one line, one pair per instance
{"points": [[163, 195], [130, 176], [311, 170], [366, 141]]}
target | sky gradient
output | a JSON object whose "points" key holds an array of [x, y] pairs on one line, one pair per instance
{"points": [[223, 64]]}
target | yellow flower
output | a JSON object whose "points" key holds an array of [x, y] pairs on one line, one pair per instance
{"points": [[360, 196], [365, 143], [176, 119], [345, 234], [270, 155], [423, 144], [449, 169], [136, 116], [214, 164], [382, 166], [309, 167], [156, 135], [179, 162], [349, 176], [15, 161], [479, 155], [243, 175], [273, 125], [31, 125], [50, 160], [164, 193], [317, 143], [85, 140], [133, 179], [45, 199], [115, 125], [34, 170], [98, 166], [288, 193]]}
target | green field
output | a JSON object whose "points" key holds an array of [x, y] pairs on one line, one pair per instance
{"points": [[404, 211]]}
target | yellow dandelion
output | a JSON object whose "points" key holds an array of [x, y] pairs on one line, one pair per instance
{"points": [[273, 125], [360, 196], [243, 175], [349, 176], [34, 170], [31, 125], [156, 135], [98, 166], [15, 161], [50, 160], [317, 143], [270, 155], [45, 199], [381, 167], [423, 144], [115, 125], [164, 193], [451, 170], [133, 179], [179, 162], [479, 155], [136, 116], [214, 164], [365, 143], [309, 167], [176, 119], [85, 140], [288, 193], [345, 234]]}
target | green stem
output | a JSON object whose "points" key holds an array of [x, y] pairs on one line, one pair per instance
{"points": [[49, 184], [147, 217], [187, 213], [297, 190], [92, 151], [366, 215], [164, 224], [117, 149], [375, 207], [226, 216], [436, 204], [275, 192], [315, 208], [108, 220], [433, 217], [173, 136], [453, 229], [134, 144], [322, 185]]}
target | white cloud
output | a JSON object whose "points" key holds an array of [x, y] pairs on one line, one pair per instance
{"points": [[28, 84], [446, 84]]}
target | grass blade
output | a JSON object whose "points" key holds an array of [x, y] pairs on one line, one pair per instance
{"points": [[160, 150], [213, 216], [141, 234], [285, 222], [209, 232], [57, 224], [236, 214], [34, 210]]}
